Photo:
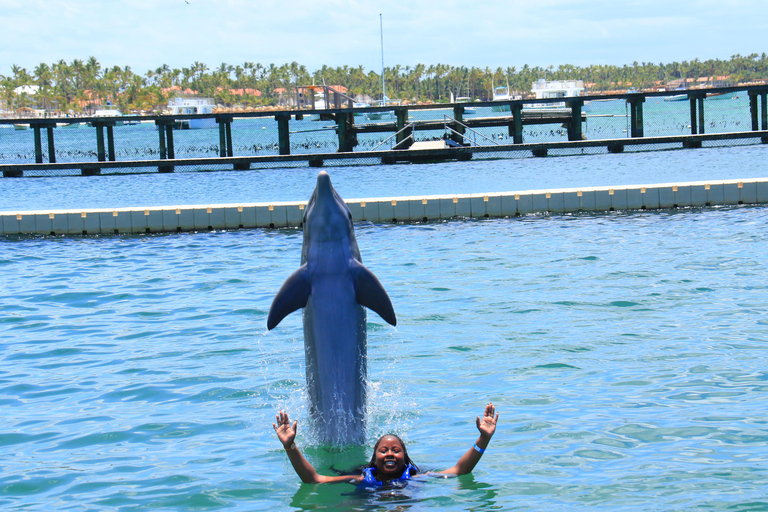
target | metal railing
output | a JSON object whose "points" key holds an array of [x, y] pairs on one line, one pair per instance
{"points": [[463, 136]]}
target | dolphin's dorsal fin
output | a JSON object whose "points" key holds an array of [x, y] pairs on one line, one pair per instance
{"points": [[293, 295], [370, 293]]}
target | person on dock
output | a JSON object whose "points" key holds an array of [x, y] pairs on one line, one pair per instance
{"points": [[390, 463]]}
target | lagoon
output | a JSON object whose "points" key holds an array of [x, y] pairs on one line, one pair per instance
{"points": [[626, 352]]}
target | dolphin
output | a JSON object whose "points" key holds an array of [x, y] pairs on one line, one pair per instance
{"points": [[333, 286]]}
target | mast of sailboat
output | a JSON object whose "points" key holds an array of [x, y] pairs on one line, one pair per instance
{"points": [[383, 85]]}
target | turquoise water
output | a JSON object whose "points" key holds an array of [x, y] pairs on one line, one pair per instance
{"points": [[626, 352], [481, 176]]}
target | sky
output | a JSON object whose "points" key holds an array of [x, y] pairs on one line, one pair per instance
{"points": [[145, 34]]}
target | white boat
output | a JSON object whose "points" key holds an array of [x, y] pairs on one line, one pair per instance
{"points": [[385, 114], [360, 104], [320, 101], [108, 113], [549, 89], [502, 93], [468, 111], [190, 106], [722, 96]]}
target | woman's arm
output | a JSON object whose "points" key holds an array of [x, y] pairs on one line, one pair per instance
{"points": [[287, 435], [487, 427]]}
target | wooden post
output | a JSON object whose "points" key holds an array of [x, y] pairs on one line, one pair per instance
{"points": [[38, 144], [341, 132], [110, 142], [222, 136], [165, 129], [347, 135], [230, 149], [697, 119], [574, 127], [161, 124], [753, 109], [516, 127], [169, 140], [402, 120], [764, 110], [694, 118], [225, 135], [51, 148], [636, 116], [458, 115], [283, 137], [100, 141]]}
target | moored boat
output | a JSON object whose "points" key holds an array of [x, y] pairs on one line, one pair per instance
{"points": [[382, 114], [190, 106], [468, 111], [550, 89], [722, 96], [108, 113], [502, 93]]}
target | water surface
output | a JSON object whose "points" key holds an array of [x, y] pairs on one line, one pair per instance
{"points": [[626, 354]]}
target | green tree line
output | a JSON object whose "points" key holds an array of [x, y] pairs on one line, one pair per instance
{"points": [[86, 84]]}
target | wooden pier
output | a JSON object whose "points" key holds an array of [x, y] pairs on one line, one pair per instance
{"points": [[456, 125]]}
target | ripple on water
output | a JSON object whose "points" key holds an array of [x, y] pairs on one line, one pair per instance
{"points": [[627, 363]]}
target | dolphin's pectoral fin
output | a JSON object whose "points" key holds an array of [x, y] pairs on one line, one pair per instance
{"points": [[293, 295], [370, 293]]}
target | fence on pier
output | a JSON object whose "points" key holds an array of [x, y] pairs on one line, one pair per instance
{"points": [[353, 136]]}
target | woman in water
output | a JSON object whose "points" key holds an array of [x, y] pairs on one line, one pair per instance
{"points": [[390, 462]]}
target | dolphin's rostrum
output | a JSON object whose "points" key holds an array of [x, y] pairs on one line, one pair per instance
{"points": [[332, 286]]}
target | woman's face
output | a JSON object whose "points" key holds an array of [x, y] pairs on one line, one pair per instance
{"points": [[390, 458]]}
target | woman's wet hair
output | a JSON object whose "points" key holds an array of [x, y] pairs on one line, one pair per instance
{"points": [[406, 458]]}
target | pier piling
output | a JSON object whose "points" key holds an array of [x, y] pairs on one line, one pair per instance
{"points": [[516, 126], [225, 135], [574, 126], [457, 134], [283, 135], [636, 116]]}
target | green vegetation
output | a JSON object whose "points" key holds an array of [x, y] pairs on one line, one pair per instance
{"points": [[82, 85]]}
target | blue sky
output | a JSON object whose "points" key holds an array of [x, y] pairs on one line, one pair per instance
{"points": [[145, 34]]}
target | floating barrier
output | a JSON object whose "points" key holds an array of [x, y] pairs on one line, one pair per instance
{"points": [[387, 210]]}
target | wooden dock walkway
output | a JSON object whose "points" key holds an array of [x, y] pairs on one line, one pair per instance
{"points": [[458, 128]]}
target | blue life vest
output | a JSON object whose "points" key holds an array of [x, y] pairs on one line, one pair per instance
{"points": [[369, 477]]}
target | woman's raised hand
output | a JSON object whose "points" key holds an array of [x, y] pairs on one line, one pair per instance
{"points": [[285, 431], [487, 425]]}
